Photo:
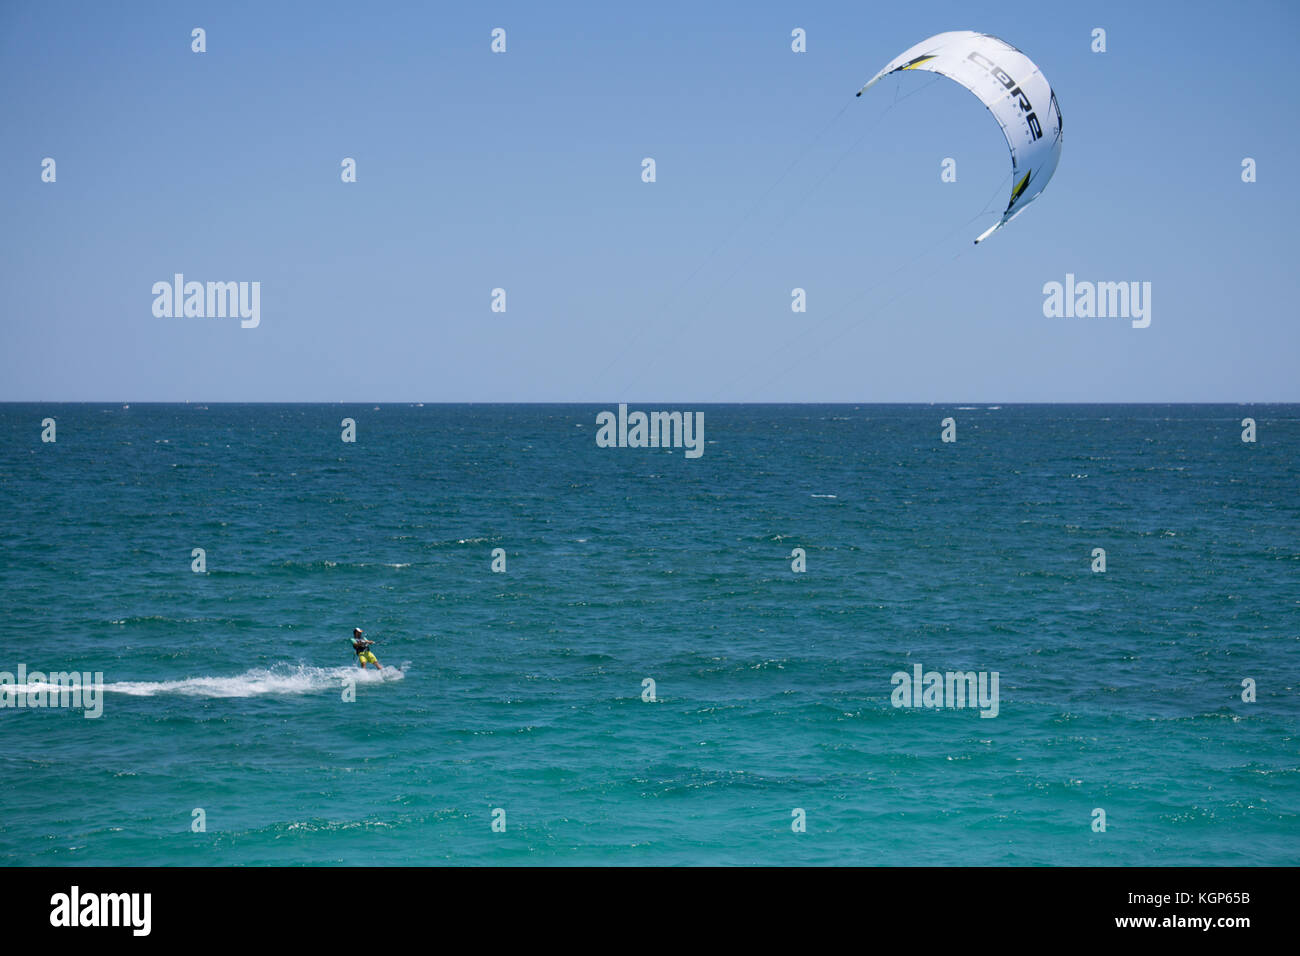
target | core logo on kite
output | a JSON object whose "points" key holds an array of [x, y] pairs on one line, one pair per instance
{"points": [[971, 59], [1014, 90]]}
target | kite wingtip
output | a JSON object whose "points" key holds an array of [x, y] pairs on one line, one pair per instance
{"points": [[869, 84]]}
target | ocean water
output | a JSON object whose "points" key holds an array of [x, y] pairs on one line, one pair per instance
{"points": [[523, 691]]}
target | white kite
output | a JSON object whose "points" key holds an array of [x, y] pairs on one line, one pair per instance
{"points": [[1015, 92]]}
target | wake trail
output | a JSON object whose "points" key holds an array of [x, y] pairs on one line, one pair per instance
{"points": [[257, 682]]}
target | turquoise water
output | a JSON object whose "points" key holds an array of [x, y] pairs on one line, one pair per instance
{"points": [[523, 690]]}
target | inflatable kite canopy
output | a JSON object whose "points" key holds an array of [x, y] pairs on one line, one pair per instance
{"points": [[1015, 92]]}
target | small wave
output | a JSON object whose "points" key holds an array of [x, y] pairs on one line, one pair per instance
{"points": [[824, 496], [252, 683], [317, 826]]}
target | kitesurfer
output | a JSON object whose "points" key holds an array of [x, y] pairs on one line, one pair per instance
{"points": [[362, 647]]}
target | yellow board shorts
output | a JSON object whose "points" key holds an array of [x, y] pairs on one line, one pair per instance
{"points": [[365, 657]]}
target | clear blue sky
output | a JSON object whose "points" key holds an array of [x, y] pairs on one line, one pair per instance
{"points": [[523, 171]]}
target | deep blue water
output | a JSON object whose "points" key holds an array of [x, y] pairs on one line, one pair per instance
{"points": [[522, 690]]}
